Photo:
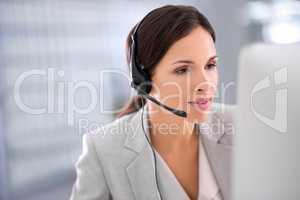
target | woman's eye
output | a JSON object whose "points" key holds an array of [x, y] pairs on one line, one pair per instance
{"points": [[211, 66], [182, 70]]}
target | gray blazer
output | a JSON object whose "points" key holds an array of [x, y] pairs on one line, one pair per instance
{"points": [[117, 162]]}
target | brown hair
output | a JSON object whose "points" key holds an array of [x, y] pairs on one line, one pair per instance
{"points": [[159, 30]]}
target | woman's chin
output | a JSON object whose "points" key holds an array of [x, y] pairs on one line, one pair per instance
{"points": [[198, 116]]}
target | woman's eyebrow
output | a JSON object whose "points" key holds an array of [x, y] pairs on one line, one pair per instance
{"points": [[213, 57], [183, 61], [192, 62]]}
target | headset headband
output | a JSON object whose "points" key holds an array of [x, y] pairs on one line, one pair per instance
{"points": [[140, 78]]}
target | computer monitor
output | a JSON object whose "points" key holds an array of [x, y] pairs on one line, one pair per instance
{"points": [[267, 138]]}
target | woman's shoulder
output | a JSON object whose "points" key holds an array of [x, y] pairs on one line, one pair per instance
{"points": [[111, 136]]}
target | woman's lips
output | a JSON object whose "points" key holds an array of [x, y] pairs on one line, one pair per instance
{"points": [[202, 103]]}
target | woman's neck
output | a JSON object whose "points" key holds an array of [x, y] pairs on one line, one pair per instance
{"points": [[170, 132]]}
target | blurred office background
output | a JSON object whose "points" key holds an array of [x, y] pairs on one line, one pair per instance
{"points": [[49, 47]]}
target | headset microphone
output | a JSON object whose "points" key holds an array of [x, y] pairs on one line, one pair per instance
{"points": [[180, 113]]}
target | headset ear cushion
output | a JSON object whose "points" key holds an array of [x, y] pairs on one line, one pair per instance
{"points": [[140, 78], [146, 86], [144, 82]]}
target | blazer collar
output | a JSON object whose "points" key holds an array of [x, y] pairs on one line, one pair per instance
{"points": [[217, 144]]}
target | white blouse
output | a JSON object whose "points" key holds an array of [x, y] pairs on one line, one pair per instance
{"points": [[168, 182]]}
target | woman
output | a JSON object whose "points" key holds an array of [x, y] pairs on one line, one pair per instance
{"points": [[175, 47]]}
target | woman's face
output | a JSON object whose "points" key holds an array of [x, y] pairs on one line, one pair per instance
{"points": [[186, 78]]}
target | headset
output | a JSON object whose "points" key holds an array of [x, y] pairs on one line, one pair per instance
{"points": [[141, 82], [141, 79]]}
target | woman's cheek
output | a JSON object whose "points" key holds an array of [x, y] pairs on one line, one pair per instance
{"points": [[214, 79]]}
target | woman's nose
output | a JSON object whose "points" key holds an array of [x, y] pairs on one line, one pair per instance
{"points": [[203, 87], [203, 84]]}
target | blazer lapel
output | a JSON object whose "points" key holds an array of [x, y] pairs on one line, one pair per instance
{"points": [[217, 139], [216, 135], [140, 170]]}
